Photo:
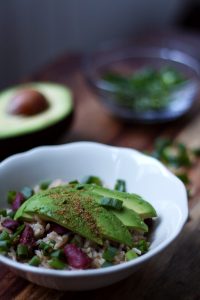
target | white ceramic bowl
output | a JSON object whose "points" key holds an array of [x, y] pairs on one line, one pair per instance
{"points": [[144, 175]]}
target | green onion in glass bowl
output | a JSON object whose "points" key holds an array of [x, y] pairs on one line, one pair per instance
{"points": [[144, 84]]}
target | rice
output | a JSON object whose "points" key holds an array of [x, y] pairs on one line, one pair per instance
{"points": [[43, 234], [12, 254], [38, 229], [58, 239]]}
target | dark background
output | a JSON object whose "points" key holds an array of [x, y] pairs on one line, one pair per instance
{"points": [[33, 32]]}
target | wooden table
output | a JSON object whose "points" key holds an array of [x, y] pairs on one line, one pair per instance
{"points": [[175, 273]]}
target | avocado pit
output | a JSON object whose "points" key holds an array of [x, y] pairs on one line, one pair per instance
{"points": [[27, 102]]}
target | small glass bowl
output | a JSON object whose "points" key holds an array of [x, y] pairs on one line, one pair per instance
{"points": [[132, 59]]}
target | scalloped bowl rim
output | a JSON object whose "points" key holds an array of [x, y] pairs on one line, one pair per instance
{"points": [[112, 269]]}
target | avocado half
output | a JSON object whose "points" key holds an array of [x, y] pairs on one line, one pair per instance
{"points": [[19, 133]]}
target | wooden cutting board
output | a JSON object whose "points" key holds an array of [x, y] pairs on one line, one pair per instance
{"points": [[175, 274]]}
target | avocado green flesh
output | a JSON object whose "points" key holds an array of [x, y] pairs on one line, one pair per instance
{"points": [[127, 216], [132, 201], [77, 212], [60, 105], [130, 219]]}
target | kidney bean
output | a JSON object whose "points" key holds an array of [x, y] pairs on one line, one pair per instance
{"points": [[27, 237], [19, 199], [58, 229], [76, 257], [10, 224]]}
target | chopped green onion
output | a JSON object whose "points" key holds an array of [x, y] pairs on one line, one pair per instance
{"points": [[130, 255], [43, 245], [46, 247], [178, 159], [177, 155], [45, 184], [58, 253], [80, 186], [22, 251], [184, 158], [109, 254], [161, 144], [148, 89], [120, 185], [143, 246], [172, 153], [111, 202], [74, 182], [4, 236], [4, 245], [11, 214], [56, 263], [35, 261], [11, 196], [94, 180], [27, 192], [17, 233], [106, 264], [52, 243], [3, 212]]}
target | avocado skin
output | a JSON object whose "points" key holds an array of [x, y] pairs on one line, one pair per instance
{"points": [[77, 211], [46, 136]]}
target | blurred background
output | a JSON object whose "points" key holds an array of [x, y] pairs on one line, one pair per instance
{"points": [[33, 32]]}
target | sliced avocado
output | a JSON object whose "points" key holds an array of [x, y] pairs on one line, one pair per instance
{"points": [[20, 132], [77, 211], [127, 216], [131, 201], [130, 219]]}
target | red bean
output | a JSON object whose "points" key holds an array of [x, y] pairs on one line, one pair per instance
{"points": [[76, 257], [58, 229], [19, 199], [10, 224], [27, 237]]}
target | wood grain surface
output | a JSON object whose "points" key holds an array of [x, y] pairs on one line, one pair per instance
{"points": [[175, 273]]}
